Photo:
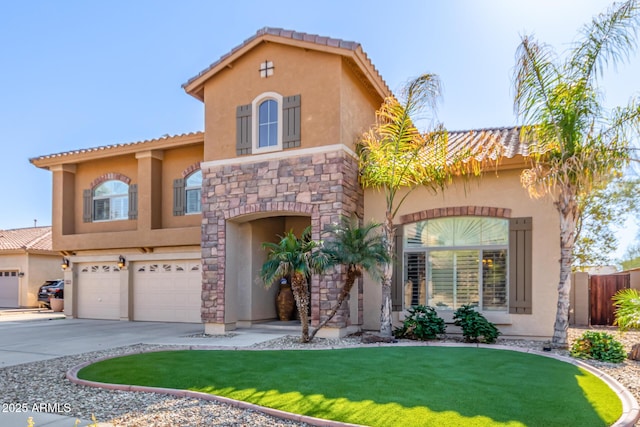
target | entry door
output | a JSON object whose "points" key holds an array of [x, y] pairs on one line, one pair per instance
{"points": [[9, 286]]}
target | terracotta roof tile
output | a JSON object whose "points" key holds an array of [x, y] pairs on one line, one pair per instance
{"points": [[27, 239], [477, 140], [107, 147]]}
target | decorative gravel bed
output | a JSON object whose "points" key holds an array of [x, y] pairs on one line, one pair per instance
{"points": [[45, 383]]}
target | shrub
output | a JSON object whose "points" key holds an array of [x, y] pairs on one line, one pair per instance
{"points": [[627, 302], [422, 323], [599, 346], [475, 327]]}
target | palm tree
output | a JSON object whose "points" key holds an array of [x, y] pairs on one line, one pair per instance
{"points": [[359, 249], [394, 155], [298, 258], [574, 143]]}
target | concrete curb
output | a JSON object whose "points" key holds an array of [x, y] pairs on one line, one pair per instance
{"points": [[630, 407]]}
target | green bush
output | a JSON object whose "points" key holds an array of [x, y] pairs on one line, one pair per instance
{"points": [[422, 323], [599, 346], [475, 327]]}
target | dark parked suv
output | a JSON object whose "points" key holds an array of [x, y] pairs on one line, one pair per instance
{"points": [[50, 289]]}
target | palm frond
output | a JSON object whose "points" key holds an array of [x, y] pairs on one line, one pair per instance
{"points": [[608, 39], [355, 246], [535, 78]]}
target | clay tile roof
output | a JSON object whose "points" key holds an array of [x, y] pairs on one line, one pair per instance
{"points": [[155, 141], [294, 35], [26, 239], [477, 140]]}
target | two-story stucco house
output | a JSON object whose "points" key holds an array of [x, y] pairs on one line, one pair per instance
{"points": [[171, 229]]}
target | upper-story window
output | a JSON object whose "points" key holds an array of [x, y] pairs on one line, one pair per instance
{"points": [[111, 201], [270, 123], [187, 192], [266, 125], [193, 191]]}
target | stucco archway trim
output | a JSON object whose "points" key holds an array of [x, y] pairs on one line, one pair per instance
{"points": [[456, 211], [111, 176]]}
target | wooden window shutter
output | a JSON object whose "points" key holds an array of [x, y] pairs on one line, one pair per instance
{"points": [[133, 201], [520, 265], [179, 196], [243, 129], [87, 205], [397, 276], [291, 121]]}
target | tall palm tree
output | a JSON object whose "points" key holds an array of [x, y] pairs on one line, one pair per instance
{"points": [[394, 155], [575, 143], [297, 258], [358, 249]]}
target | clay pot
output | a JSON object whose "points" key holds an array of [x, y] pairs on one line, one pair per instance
{"points": [[57, 304], [285, 304]]}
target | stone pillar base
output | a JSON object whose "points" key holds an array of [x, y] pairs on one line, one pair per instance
{"points": [[337, 332], [218, 328]]}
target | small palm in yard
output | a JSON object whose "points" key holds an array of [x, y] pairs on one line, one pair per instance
{"points": [[627, 302], [298, 258], [359, 249]]}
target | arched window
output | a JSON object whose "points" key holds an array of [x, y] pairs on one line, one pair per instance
{"points": [[193, 191], [455, 261], [268, 124], [111, 201]]}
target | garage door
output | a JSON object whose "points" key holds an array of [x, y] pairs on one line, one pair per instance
{"points": [[99, 291], [9, 286], [167, 291]]}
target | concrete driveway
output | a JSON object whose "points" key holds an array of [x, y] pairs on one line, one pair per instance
{"points": [[32, 336]]}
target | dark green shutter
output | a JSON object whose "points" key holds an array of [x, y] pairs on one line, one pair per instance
{"points": [[87, 205], [179, 196], [520, 265], [397, 277], [133, 201], [243, 129], [291, 121]]}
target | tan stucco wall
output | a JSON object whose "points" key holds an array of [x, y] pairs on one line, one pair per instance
{"points": [[174, 163], [154, 172], [503, 191], [357, 108], [327, 91], [36, 268]]}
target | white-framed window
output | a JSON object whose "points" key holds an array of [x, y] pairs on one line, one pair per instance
{"points": [[455, 261], [267, 122], [111, 201], [193, 192]]}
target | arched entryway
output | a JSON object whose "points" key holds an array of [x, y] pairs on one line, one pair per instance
{"points": [[249, 301]]}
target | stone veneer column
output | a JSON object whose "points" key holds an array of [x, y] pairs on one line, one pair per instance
{"points": [[323, 185]]}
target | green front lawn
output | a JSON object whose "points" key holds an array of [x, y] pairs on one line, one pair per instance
{"points": [[384, 386]]}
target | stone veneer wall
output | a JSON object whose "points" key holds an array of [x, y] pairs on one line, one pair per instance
{"points": [[323, 186]]}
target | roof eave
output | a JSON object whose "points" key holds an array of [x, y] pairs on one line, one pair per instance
{"points": [[195, 86], [82, 155]]}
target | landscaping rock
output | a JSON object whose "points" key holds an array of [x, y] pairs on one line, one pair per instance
{"points": [[371, 338]]}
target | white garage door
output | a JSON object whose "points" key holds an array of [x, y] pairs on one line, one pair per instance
{"points": [[167, 291], [99, 291], [9, 286]]}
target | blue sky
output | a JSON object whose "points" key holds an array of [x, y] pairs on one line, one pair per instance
{"points": [[78, 74]]}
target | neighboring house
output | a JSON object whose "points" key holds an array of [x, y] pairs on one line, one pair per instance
{"points": [[27, 260], [171, 229]]}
